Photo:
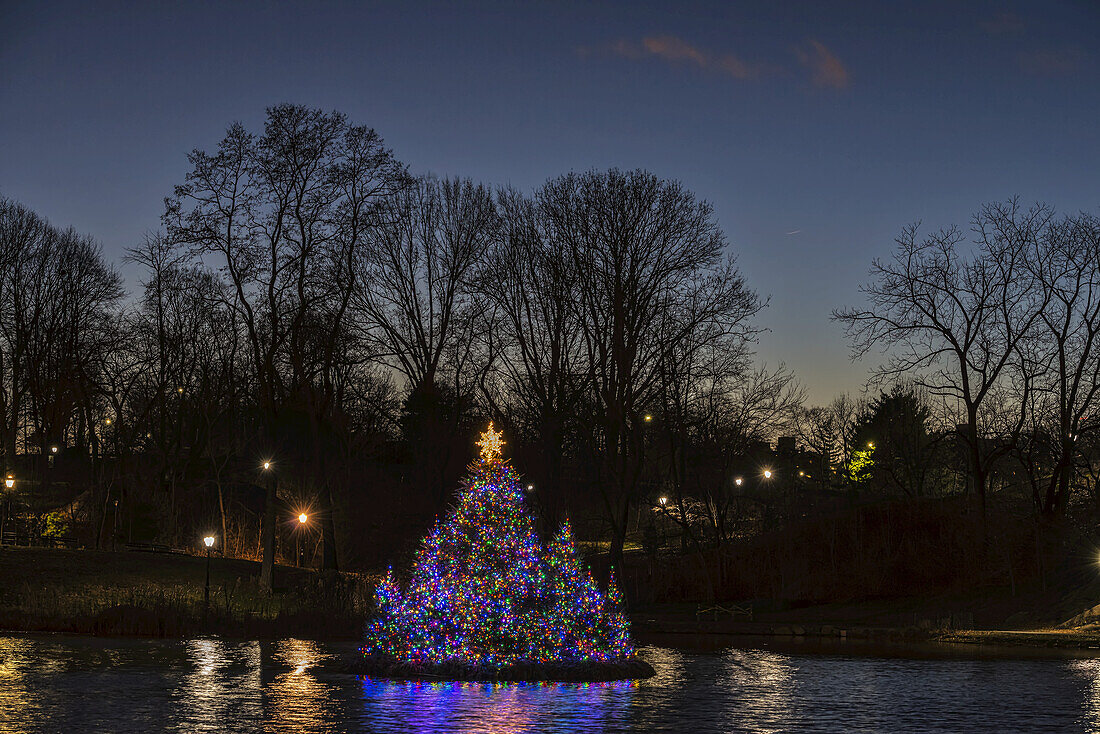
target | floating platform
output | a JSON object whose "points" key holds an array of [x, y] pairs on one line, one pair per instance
{"points": [[587, 672]]}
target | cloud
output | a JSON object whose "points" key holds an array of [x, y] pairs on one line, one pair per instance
{"points": [[672, 48], [1052, 62], [1003, 24], [675, 50], [826, 70]]}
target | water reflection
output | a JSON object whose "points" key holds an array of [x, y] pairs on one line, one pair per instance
{"points": [[1089, 671], [763, 684], [52, 684], [220, 682], [18, 701], [297, 699]]}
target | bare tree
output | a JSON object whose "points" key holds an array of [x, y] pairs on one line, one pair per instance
{"points": [[951, 323], [650, 272], [414, 306], [1064, 260], [286, 215], [533, 284]]}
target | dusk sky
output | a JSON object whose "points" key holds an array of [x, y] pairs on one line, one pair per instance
{"points": [[816, 130]]}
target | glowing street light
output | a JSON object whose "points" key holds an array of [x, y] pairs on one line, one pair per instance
{"points": [[871, 445], [303, 519], [663, 501], [767, 473], [9, 482], [648, 418], [738, 481], [267, 466]]}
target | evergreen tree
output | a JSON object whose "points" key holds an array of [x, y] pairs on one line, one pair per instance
{"points": [[484, 590]]}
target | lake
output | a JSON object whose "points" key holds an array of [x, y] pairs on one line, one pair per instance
{"points": [[76, 684]]}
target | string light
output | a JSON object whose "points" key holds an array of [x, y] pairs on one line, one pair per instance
{"points": [[485, 590]]}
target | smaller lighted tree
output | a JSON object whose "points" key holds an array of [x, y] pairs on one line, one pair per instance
{"points": [[485, 591]]}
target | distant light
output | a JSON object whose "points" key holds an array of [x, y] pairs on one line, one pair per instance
{"points": [[767, 473], [801, 473], [530, 488], [9, 481], [53, 449], [179, 390], [108, 421], [738, 481], [648, 417], [303, 518], [209, 540], [870, 444], [663, 501], [267, 465]]}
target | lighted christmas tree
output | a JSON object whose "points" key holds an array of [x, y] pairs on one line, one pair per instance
{"points": [[485, 591]]}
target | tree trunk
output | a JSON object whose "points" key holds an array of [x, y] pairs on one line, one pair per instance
{"points": [[267, 531]]}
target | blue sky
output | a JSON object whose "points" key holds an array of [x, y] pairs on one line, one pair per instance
{"points": [[817, 130]]}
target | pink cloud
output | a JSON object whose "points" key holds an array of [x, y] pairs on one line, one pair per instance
{"points": [[1052, 62], [674, 49], [826, 70]]}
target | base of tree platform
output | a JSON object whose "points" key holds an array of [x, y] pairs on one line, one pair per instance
{"points": [[590, 672]]}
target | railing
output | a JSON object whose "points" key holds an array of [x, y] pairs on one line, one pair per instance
{"points": [[155, 548], [14, 537], [730, 610]]}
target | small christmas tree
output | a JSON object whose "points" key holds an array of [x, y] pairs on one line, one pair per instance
{"points": [[486, 592]]}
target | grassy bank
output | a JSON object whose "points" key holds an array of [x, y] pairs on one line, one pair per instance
{"points": [[162, 595]]}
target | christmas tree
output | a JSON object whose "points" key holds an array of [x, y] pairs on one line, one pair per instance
{"points": [[485, 591]]}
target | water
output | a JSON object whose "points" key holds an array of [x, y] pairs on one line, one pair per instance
{"points": [[68, 684]]}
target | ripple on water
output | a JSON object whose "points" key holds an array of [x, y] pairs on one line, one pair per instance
{"points": [[54, 683]]}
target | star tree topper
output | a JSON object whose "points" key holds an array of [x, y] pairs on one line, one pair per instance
{"points": [[490, 444]]}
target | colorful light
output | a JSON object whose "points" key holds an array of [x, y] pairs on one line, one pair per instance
{"points": [[484, 589]]}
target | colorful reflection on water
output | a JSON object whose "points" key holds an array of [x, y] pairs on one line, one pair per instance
{"points": [[55, 683], [494, 708]]}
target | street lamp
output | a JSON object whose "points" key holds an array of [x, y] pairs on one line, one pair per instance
{"points": [[303, 518], [648, 418], [663, 501], [267, 466], [767, 473], [209, 541], [738, 481], [9, 483]]}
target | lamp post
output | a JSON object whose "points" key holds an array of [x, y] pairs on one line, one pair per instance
{"points": [[9, 485], [303, 518], [767, 473], [209, 541], [267, 529]]}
